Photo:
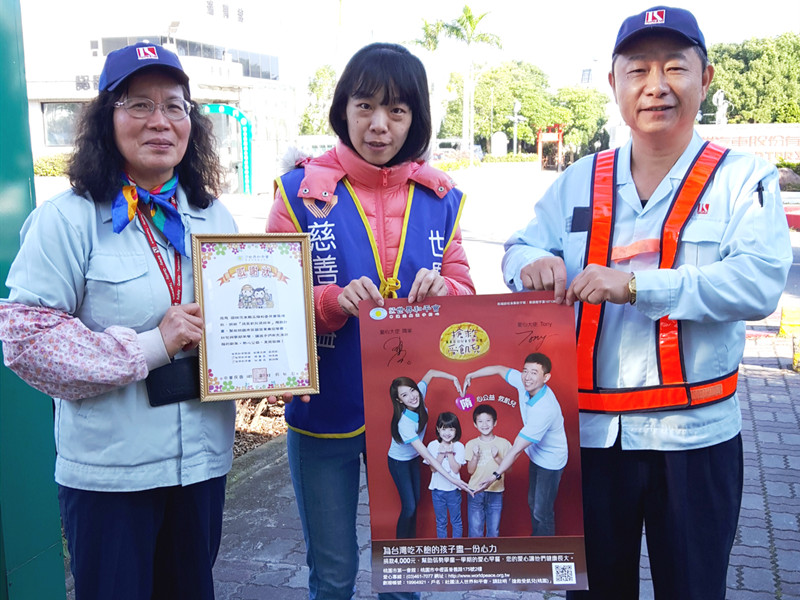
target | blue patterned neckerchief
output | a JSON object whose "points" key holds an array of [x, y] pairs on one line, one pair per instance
{"points": [[164, 214]]}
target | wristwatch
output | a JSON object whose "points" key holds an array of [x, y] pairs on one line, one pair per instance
{"points": [[496, 475], [632, 289]]}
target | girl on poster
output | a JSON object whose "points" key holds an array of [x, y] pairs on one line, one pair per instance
{"points": [[446, 496], [409, 422], [383, 223]]}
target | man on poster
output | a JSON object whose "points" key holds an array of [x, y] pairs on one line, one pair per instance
{"points": [[542, 437], [665, 247]]}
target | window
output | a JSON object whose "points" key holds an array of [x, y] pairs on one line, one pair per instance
{"points": [[273, 67], [255, 64], [586, 76], [60, 121], [210, 7], [225, 14], [114, 43]]}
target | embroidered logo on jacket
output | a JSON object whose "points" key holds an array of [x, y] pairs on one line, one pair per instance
{"points": [[320, 213]]}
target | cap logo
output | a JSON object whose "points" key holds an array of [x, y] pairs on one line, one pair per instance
{"points": [[146, 53], [655, 17]]}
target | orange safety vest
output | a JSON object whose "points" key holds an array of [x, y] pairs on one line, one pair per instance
{"points": [[673, 391]]}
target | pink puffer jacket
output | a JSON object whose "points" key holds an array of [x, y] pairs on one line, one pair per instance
{"points": [[383, 193]]}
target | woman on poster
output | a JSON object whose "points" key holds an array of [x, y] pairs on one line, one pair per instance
{"points": [[383, 223], [409, 423]]}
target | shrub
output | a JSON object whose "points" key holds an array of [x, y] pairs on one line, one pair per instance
{"points": [[783, 164], [54, 165], [451, 165], [512, 158]]}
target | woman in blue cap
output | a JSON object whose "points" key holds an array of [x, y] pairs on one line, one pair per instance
{"points": [[101, 312]]}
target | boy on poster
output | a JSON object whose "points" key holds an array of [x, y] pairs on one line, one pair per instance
{"points": [[542, 437], [483, 455]]}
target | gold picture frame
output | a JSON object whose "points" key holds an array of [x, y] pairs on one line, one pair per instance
{"points": [[257, 298]]}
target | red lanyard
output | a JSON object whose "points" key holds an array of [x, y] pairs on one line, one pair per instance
{"points": [[175, 286]]}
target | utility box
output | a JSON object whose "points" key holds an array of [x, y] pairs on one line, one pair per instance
{"points": [[31, 554]]}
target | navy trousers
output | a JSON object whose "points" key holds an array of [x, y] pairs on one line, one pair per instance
{"points": [[157, 544], [688, 502]]}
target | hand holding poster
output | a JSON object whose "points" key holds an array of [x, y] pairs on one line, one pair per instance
{"points": [[474, 399]]}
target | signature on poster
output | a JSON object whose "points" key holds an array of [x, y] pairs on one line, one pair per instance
{"points": [[395, 346]]}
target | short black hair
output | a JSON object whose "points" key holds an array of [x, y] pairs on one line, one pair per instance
{"points": [[538, 358], [447, 420], [393, 70], [484, 409]]}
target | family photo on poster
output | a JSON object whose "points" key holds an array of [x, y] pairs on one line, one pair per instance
{"points": [[472, 432]]}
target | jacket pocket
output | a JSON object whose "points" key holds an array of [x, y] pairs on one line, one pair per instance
{"points": [[700, 242], [118, 291]]}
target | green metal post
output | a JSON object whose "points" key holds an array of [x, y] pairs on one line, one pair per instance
{"points": [[31, 556]]}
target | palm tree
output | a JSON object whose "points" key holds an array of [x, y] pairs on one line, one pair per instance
{"points": [[431, 33], [465, 29]]}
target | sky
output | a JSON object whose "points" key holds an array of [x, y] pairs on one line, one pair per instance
{"points": [[562, 38]]}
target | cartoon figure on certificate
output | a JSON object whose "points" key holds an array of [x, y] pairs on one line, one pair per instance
{"points": [[262, 298], [409, 422], [246, 296]]}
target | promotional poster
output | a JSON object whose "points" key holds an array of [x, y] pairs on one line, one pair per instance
{"points": [[497, 374]]}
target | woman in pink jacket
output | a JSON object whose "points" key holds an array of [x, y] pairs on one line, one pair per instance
{"points": [[383, 224]]}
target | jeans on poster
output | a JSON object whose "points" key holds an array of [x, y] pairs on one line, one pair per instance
{"points": [[483, 511], [445, 502], [542, 492]]}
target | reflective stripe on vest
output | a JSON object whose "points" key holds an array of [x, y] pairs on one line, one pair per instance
{"points": [[673, 392]]}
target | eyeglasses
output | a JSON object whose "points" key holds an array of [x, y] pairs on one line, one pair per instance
{"points": [[175, 109]]}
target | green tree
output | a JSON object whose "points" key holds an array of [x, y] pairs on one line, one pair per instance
{"points": [[496, 90], [583, 126], [320, 90], [760, 79], [431, 34], [464, 28]]}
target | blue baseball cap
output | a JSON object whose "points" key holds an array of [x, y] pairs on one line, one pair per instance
{"points": [[121, 64], [661, 18]]}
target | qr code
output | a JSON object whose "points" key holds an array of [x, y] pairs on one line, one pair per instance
{"points": [[564, 572]]}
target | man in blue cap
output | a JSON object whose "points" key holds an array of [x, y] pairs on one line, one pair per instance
{"points": [[665, 247]]}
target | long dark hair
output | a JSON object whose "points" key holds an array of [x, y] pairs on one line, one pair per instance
{"points": [[95, 166], [399, 407], [393, 70]]}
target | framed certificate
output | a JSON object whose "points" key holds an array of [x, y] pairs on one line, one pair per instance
{"points": [[256, 294]]}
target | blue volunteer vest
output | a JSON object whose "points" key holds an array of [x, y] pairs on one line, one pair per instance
{"points": [[343, 249]]}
